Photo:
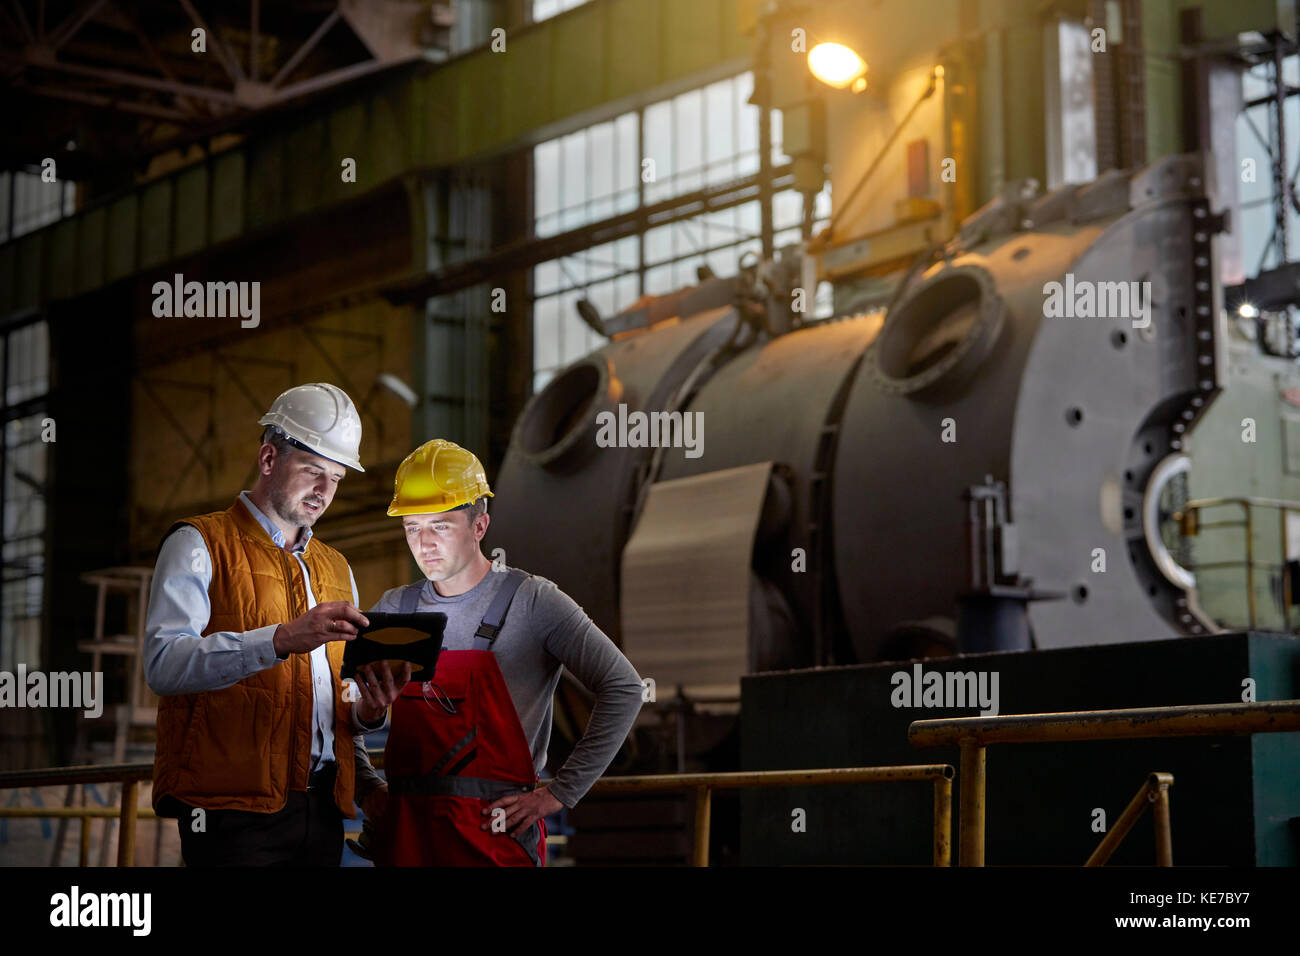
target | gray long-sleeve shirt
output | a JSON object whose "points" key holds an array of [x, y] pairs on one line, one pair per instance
{"points": [[545, 630]]}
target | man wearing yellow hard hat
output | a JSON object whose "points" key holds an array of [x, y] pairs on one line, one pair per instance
{"points": [[466, 750]]}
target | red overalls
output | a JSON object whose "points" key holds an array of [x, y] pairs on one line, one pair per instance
{"points": [[455, 745]]}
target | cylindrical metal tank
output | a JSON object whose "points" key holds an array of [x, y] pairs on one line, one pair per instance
{"points": [[561, 504], [882, 438]]}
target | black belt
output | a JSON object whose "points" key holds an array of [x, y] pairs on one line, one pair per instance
{"points": [[324, 777]]}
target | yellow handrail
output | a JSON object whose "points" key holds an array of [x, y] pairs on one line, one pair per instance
{"points": [[1154, 792], [129, 775], [973, 734], [702, 783], [705, 783]]}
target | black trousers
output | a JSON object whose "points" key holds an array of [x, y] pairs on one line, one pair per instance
{"points": [[306, 831]]}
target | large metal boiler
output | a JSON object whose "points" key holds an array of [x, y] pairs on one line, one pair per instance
{"points": [[971, 463]]}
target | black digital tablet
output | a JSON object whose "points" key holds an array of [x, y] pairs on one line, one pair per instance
{"points": [[396, 638]]}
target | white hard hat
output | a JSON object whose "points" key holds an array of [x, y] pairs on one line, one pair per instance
{"points": [[321, 417]]}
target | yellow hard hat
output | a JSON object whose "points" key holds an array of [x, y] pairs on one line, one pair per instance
{"points": [[437, 476]]}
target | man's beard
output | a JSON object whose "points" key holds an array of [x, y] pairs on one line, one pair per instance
{"points": [[292, 512]]}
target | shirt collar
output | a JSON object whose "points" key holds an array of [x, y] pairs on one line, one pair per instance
{"points": [[270, 528]]}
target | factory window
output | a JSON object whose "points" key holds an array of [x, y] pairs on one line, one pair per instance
{"points": [[586, 176], [701, 138], [1255, 143], [27, 203], [692, 141], [604, 275], [544, 9], [25, 365]]}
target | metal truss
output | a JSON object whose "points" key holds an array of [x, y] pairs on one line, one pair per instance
{"points": [[137, 57]]}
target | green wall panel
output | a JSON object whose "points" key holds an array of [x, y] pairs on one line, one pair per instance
{"points": [[191, 210], [441, 119], [527, 90], [634, 44], [479, 114], [347, 139], [1222, 19], [123, 220], [688, 34], [31, 249], [306, 164], [580, 39], [227, 209], [386, 140], [156, 224], [265, 176], [62, 251], [90, 256]]}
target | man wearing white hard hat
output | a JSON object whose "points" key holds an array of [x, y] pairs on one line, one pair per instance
{"points": [[248, 615]]}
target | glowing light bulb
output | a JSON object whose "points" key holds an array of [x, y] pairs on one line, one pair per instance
{"points": [[835, 64]]}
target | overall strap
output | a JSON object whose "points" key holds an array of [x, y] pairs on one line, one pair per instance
{"points": [[496, 612], [409, 599]]}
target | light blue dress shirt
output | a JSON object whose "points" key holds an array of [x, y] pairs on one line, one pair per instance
{"points": [[178, 660]]}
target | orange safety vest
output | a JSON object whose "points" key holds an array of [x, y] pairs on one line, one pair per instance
{"points": [[246, 746]]}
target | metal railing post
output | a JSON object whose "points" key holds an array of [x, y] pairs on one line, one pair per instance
{"points": [[703, 810], [1115, 835], [1160, 809], [972, 804], [943, 821], [83, 852], [126, 834]]}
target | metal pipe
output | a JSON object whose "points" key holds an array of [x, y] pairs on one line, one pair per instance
{"points": [[1160, 808], [770, 778], [703, 810], [74, 813], [126, 836], [1130, 816], [1286, 577], [838, 216], [943, 822], [1200, 720], [85, 773], [973, 769], [1250, 563]]}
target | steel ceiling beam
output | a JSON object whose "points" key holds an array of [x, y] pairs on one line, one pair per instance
{"points": [[308, 45], [68, 29], [124, 78], [23, 21], [230, 64], [96, 99]]}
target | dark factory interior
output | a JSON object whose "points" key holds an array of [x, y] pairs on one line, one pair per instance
{"points": [[887, 416]]}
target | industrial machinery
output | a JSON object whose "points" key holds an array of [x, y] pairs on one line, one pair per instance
{"points": [[1003, 456]]}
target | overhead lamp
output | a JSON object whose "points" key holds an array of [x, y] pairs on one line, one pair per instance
{"points": [[837, 65], [1247, 311]]}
